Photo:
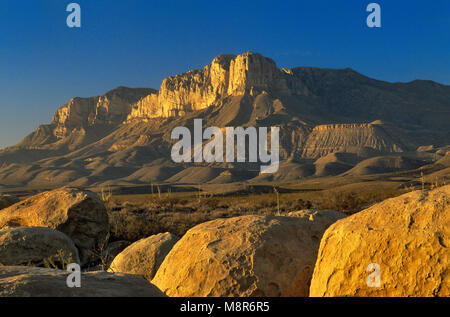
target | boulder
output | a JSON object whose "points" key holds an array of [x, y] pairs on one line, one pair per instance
{"points": [[77, 213], [36, 246], [145, 256], [7, 200], [22, 281], [399, 247], [243, 256]]}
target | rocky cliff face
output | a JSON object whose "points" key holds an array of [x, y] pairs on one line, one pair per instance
{"points": [[147, 107], [227, 75], [125, 133], [109, 109], [312, 94]]}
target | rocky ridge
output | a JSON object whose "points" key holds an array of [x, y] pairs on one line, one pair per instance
{"points": [[121, 135], [227, 75]]}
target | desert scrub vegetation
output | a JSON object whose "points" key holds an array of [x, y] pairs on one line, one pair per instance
{"points": [[58, 261], [353, 202], [134, 222], [133, 217]]}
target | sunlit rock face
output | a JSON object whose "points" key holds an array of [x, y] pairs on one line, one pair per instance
{"points": [[331, 121], [406, 237], [227, 75], [111, 108]]}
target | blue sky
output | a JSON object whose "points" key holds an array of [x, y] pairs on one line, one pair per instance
{"points": [[137, 43]]}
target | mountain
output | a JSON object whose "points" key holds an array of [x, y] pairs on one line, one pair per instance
{"points": [[330, 121]]}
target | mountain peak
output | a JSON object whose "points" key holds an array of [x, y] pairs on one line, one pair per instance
{"points": [[227, 75], [247, 76]]}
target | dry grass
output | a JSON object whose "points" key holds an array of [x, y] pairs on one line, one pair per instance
{"points": [[58, 261], [138, 216], [133, 217]]}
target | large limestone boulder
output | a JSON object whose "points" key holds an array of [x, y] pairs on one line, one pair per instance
{"points": [[243, 256], [145, 256], [21, 281], [8, 200], [79, 214], [399, 247], [36, 246]]}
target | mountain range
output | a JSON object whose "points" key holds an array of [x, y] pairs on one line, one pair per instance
{"points": [[332, 122]]}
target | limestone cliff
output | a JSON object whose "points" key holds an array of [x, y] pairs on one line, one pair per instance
{"points": [[147, 107], [227, 75], [124, 135], [111, 108]]}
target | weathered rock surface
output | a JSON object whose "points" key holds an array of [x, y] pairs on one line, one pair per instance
{"points": [[36, 246], [111, 108], [20, 281], [7, 200], [227, 75], [243, 256], [79, 214], [145, 256], [407, 236]]}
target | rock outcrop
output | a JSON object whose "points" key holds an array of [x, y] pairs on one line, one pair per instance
{"points": [[115, 137], [243, 256], [147, 107], [331, 138], [111, 108], [145, 256], [36, 246], [20, 281], [79, 214], [227, 75], [399, 247]]}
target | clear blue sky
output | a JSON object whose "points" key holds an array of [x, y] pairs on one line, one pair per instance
{"points": [[137, 43]]}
